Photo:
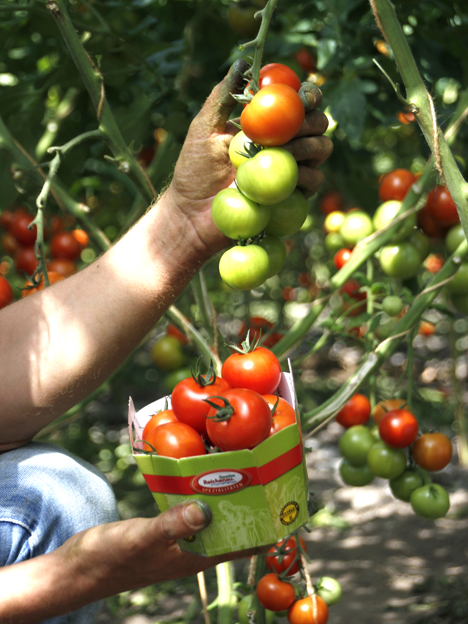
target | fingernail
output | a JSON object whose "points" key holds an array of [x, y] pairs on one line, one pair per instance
{"points": [[198, 514]]}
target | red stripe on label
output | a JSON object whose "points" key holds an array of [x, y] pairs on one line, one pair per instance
{"points": [[262, 475]]}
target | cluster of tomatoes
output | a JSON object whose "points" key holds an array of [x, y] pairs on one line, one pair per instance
{"points": [[380, 451], [277, 592], [234, 411], [264, 204], [18, 238]]}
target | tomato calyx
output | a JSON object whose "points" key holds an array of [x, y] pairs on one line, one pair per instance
{"points": [[208, 379], [247, 346], [222, 413]]}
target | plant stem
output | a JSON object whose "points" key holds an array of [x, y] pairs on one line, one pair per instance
{"points": [[226, 597]]}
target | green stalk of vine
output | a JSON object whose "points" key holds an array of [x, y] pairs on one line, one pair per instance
{"points": [[93, 81], [226, 596]]}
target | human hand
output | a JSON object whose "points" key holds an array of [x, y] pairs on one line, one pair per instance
{"points": [[204, 167]]}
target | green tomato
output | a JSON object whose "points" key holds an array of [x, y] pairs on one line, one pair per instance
{"points": [[430, 501], [357, 476], [329, 590], [308, 223], [276, 251], [244, 268], [385, 215], [404, 485], [386, 461], [236, 216], [287, 216], [454, 237], [385, 327], [356, 226], [355, 443], [334, 242], [269, 177], [167, 353], [245, 605], [401, 260], [392, 305], [422, 243], [172, 379], [458, 285], [238, 147]]}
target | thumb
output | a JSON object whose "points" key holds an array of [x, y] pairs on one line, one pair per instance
{"points": [[184, 520], [220, 103]]}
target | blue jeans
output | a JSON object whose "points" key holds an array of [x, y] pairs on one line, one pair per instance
{"points": [[46, 496]]}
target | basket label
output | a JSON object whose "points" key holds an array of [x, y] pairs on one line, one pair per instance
{"points": [[221, 481]]}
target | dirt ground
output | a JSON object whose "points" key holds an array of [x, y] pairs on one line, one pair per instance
{"points": [[373, 544]]}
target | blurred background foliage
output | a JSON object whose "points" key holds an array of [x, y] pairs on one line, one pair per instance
{"points": [[159, 60]]}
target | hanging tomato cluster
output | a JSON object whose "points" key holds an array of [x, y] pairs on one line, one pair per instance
{"points": [[277, 591], [264, 205], [381, 451], [235, 411]]}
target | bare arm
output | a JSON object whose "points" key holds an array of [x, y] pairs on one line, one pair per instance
{"points": [[63, 342]]}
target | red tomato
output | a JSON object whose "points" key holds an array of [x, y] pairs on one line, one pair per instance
{"points": [[276, 73], [273, 116], [434, 262], [81, 236], [398, 428], [331, 202], [385, 406], [248, 420], [432, 451], [426, 328], [25, 260], [188, 399], [429, 225], [355, 412], [405, 117], [351, 289], [396, 184], [6, 292], [65, 245], [9, 243], [172, 330], [161, 418], [341, 257], [284, 414], [283, 557], [6, 219], [306, 60], [20, 229], [53, 277], [63, 266], [310, 610], [274, 594], [177, 440], [258, 370], [441, 206]]}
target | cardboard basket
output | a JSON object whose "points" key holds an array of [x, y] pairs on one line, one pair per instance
{"points": [[257, 496]]}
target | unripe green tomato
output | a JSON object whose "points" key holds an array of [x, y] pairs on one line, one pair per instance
{"points": [[245, 605], [404, 485], [334, 242], [269, 177], [236, 216], [237, 148], [355, 443], [244, 268], [167, 353], [308, 223], [430, 501], [454, 237], [392, 305], [276, 251], [356, 226], [386, 461], [357, 476], [385, 215], [172, 379], [422, 243], [287, 216], [458, 285], [385, 327], [401, 260], [329, 590]]}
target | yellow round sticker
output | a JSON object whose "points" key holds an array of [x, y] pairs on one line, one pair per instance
{"points": [[289, 512], [190, 538]]}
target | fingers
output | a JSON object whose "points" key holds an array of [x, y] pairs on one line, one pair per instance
{"points": [[220, 103], [310, 95], [310, 180], [312, 149], [182, 521], [315, 124]]}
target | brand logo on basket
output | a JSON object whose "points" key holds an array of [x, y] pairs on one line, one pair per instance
{"points": [[289, 513], [220, 481]]}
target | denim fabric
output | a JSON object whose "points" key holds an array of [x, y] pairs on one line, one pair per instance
{"points": [[46, 496]]}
